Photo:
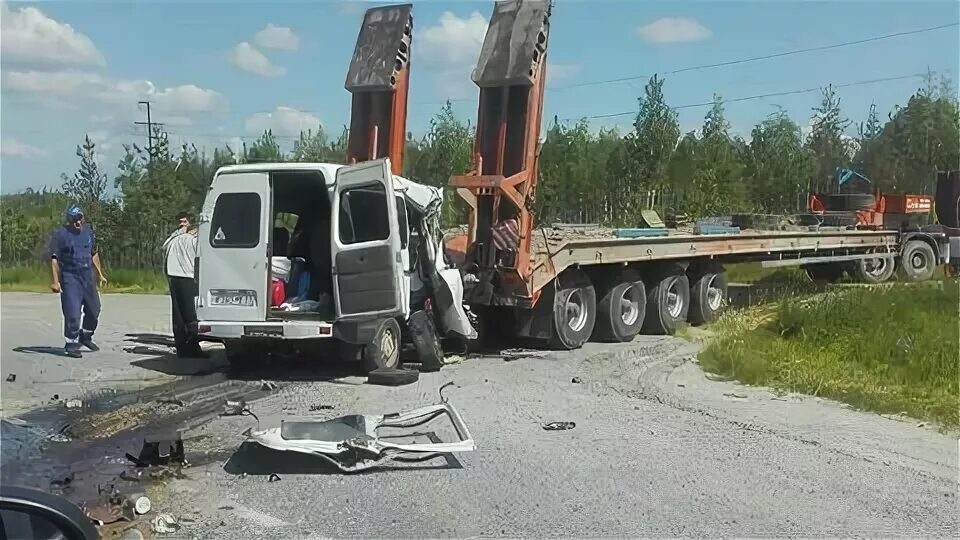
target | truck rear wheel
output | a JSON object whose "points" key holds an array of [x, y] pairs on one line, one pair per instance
{"points": [[708, 296], [668, 302], [873, 270], [917, 261], [574, 310], [622, 306]]}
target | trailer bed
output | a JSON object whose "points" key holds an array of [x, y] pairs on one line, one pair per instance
{"points": [[553, 250]]}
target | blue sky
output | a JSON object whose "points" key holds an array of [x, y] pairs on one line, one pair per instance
{"points": [[220, 72]]}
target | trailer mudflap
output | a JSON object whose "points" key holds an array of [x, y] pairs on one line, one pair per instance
{"points": [[352, 443]]}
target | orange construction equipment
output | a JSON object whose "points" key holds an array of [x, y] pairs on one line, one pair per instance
{"points": [[511, 74]]}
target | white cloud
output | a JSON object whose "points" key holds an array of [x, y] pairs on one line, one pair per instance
{"points": [[27, 35], [450, 50], [283, 121], [277, 37], [556, 72], [77, 86], [10, 147], [674, 30], [246, 57]]}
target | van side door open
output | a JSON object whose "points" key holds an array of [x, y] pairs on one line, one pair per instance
{"points": [[367, 268], [233, 242]]}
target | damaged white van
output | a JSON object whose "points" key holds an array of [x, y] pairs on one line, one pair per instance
{"points": [[292, 254]]}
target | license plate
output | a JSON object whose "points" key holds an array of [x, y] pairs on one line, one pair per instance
{"points": [[233, 298]]}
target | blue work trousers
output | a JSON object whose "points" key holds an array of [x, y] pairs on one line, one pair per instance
{"points": [[81, 305]]}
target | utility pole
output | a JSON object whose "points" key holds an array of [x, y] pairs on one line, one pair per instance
{"points": [[149, 123]]}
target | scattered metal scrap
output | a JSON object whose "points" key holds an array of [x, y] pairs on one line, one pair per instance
{"points": [[352, 444], [160, 450], [559, 426]]}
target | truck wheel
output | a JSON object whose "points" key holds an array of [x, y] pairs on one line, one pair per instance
{"points": [[873, 270], [574, 310], [824, 273], [668, 301], [426, 340], [917, 261], [708, 296], [384, 351], [621, 308]]}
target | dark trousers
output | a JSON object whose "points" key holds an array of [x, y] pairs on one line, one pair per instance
{"points": [[80, 304], [182, 293]]}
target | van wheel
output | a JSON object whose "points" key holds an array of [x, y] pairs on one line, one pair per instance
{"points": [[708, 296], [917, 262], [668, 302], [574, 310], [384, 351], [621, 309]]}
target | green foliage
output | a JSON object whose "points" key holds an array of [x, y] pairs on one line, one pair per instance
{"points": [[889, 349], [36, 278], [827, 143], [777, 166]]}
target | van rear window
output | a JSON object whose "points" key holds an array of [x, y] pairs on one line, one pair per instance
{"points": [[236, 221]]}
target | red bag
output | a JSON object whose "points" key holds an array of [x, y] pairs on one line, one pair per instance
{"points": [[277, 293]]}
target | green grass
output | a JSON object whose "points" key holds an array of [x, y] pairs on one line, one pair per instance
{"points": [[121, 280], [888, 349]]}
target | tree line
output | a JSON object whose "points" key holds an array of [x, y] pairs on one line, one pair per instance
{"points": [[586, 176]]}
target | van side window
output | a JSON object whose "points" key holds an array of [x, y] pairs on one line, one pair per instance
{"points": [[236, 221], [363, 214]]}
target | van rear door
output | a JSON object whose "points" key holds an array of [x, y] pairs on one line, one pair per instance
{"points": [[367, 270], [234, 248]]}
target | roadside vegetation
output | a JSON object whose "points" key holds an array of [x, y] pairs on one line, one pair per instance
{"points": [[889, 348], [37, 279]]}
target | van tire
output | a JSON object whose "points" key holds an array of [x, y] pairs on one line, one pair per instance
{"points": [[384, 351]]}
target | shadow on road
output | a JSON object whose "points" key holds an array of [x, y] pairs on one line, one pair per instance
{"points": [[253, 459], [55, 351], [171, 364]]}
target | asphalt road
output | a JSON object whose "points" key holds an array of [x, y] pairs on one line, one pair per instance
{"points": [[658, 449]]}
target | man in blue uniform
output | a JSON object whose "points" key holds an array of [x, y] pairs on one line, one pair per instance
{"points": [[73, 260]]}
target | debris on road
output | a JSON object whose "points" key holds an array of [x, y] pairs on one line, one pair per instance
{"points": [[352, 443], [559, 426], [73, 403], [177, 402], [576, 380], [12, 377], [268, 386], [392, 377], [516, 354], [735, 395], [160, 450], [238, 408], [318, 407], [164, 524], [274, 477]]}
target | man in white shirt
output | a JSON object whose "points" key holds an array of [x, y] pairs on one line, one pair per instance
{"points": [[180, 250]]}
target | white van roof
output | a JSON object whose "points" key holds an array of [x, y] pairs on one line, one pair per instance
{"points": [[419, 194]]}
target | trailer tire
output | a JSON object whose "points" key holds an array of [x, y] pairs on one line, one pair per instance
{"points": [[708, 296], [873, 271], [574, 310], [917, 261], [384, 351], [824, 273], [621, 309], [668, 302]]}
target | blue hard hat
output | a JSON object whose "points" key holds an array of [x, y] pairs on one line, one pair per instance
{"points": [[74, 212]]}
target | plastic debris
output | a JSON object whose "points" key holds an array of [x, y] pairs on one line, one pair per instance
{"points": [[164, 524], [12, 377], [559, 426], [576, 380], [274, 477]]}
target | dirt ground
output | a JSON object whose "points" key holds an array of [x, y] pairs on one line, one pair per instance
{"points": [[659, 449]]}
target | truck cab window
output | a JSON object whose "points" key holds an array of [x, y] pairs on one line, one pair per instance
{"points": [[363, 214]]}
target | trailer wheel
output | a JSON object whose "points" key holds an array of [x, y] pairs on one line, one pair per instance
{"points": [[574, 310], [873, 270], [824, 273], [382, 353], [668, 302], [621, 309], [917, 261], [708, 296]]}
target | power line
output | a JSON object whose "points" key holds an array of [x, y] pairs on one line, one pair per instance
{"points": [[758, 96], [745, 60]]}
